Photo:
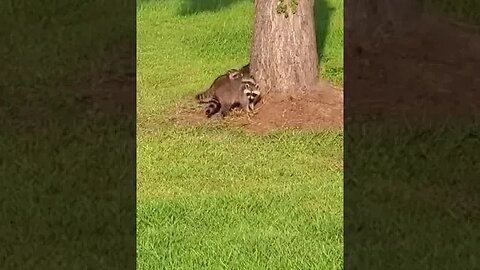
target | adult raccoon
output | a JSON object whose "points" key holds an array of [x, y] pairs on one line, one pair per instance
{"points": [[229, 90], [221, 80], [231, 74], [231, 94]]}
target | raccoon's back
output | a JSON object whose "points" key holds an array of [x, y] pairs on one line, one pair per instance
{"points": [[217, 84], [231, 95]]}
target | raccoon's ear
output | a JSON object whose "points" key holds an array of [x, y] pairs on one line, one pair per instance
{"points": [[233, 75]]}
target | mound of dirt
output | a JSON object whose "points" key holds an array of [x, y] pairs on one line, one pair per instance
{"points": [[318, 108]]}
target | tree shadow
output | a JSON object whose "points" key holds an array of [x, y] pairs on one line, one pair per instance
{"points": [[322, 15], [189, 7]]}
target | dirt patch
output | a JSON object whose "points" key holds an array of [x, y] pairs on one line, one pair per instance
{"points": [[318, 108]]}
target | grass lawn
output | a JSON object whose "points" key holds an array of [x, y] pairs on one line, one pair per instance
{"points": [[411, 196], [216, 197], [59, 161]]}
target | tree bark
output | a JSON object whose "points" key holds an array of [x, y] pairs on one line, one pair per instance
{"points": [[283, 54]]}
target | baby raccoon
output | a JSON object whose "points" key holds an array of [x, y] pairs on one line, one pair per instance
{"points": [[245, 70]]}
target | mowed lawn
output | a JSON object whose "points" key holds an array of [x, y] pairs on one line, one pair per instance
{"points": [[214, 197]]}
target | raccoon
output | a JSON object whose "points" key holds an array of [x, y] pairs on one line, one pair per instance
{"points": [[251, 91], [231, 94], [206, 95], [232, 74], [255, 96], [234, 88], [245, 70]]}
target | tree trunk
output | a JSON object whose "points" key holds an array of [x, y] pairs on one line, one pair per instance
{"points": [[283, 54]]}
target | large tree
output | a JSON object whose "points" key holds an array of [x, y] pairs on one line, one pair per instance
{"points": [[283, 54]]}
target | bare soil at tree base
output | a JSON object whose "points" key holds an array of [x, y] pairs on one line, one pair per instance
{"points": [[318, 108]]}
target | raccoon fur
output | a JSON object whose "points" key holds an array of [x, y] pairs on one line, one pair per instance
{"points": [[235, 93]]}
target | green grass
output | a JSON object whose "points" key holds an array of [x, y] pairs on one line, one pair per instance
{"points": [[329, 28], [278, 206], [411, 196], [214, 197], [53, 148]]}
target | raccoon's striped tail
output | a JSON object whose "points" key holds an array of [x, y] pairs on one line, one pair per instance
{"points": [[213, 107], [203, 97]]}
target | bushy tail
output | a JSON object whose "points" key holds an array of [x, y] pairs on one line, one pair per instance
{"points": [[213, 107], [204, 96]]}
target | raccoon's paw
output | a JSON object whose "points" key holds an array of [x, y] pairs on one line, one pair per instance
{"points": [[253, 112]]}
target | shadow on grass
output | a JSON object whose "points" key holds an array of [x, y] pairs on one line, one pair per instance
{"points": [[322, 15], [322, 19], [189, 7]]}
